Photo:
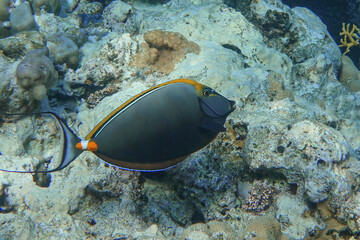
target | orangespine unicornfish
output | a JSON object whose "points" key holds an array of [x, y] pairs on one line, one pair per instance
{"points": [[153, 130]]}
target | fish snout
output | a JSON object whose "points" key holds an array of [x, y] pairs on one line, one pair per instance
{"points": [[232, 104]]}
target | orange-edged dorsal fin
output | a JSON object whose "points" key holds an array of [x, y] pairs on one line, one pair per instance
{"points": [[93, 132]]}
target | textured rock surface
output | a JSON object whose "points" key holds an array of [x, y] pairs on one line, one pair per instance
{"points": [[286, 168]]}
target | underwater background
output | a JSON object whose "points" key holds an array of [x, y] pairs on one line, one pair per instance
{"points": [[287, 166]]}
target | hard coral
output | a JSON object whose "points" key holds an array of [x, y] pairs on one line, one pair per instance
{"points": [[163, 50], [349, 74], [353, 37], [37, 73], [63, 50]]}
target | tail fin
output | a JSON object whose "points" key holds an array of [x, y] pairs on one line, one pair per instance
{"points": [[68, 152]]}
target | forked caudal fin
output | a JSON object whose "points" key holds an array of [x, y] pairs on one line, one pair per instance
{"points": [[68, 141]]}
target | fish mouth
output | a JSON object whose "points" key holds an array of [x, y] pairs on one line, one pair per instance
{"points": [[233, 106]]}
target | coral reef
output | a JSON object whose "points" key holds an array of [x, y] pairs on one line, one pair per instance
{"points": [[106, 63], [287, 166], [163, 50], [295, 220], [36, 73], [4, 204]]}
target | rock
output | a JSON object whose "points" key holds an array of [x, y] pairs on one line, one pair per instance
{"points": [[51, 6], [69, 27], [165, 207], [305, 149], [4, 29], [69, 5], [106, 61], [36, 73], [21, 19], [21, 43], [295, 222], [91, 8], [4, 10]]}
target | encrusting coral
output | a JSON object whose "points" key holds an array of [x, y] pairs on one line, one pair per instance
{"points": [[353, 37], [163, 50]]}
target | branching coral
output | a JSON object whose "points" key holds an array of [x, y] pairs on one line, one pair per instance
{"points": [[353, 37]]}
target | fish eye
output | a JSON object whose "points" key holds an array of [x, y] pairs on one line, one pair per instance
{"points": [[206, 92]]}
